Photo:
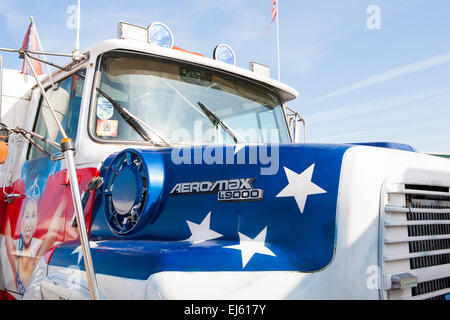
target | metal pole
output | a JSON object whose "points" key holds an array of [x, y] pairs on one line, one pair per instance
{"points": [[81, 224], [304, 130], [58, 54], [8, 49], [278, 45], [44, 94], [190, 5], [67, 149], [77, 40]]}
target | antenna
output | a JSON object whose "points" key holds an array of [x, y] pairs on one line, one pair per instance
{"points": [[76, 52], [278, 43]]}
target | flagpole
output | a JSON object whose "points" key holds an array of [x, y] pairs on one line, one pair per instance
{"points": [[278, 44], [190, 5]]}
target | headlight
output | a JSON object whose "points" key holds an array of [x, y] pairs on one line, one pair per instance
{"points": [[131, 191]]}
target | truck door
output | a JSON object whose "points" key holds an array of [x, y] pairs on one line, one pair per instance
{"points": [[36, 221]]}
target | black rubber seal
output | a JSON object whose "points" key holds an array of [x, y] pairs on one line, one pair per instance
{"points": [[67, 145]]}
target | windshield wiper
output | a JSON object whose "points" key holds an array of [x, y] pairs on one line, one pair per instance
{"points": [[217, 121], [132, 120]]}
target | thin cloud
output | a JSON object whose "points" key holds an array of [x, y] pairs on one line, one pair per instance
{"points": [[372, 106], [389, 75], [339, 137], [370, 135]]}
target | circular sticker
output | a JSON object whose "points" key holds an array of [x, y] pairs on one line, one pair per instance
{"points": [[105, 109]]}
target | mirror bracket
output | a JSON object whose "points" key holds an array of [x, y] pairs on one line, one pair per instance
{"points": [[293, 121]]}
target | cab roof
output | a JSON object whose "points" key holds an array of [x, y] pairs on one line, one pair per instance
{"points": [[286, 92]]}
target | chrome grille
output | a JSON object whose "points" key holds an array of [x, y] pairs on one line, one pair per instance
{"points": [[432, 286], [437, 235], [416, 240]]}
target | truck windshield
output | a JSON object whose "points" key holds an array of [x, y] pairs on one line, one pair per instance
{"points": [[168, 97]]}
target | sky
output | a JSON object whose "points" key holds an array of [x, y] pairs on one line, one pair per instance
{"points": [[365, 71]]}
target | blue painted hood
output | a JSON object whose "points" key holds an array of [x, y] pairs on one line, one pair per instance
{"points": [[292, 228]]}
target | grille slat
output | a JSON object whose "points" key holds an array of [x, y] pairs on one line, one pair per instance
{"points": [[421, 238], [424, 254], [440, 286], [424, 226]]}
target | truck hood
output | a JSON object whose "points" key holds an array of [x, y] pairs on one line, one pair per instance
{"points": [[289, 225]]}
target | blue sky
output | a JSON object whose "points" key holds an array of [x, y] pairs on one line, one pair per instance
{"points": [[355, 84]]}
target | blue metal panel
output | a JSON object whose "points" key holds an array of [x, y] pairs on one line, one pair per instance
{"points": [[388, 145], [292, 238]]}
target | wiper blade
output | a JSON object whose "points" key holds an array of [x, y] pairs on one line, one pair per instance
{"points": [[217, 121], [132, 120], [126, 116]]}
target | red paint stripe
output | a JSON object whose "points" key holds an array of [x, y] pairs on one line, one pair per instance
{"points": [[179, 49], [49, 253]]}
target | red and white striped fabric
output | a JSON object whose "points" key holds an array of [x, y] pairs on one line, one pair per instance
{"points": [[31, 42], [274, 13], [274, 9]]}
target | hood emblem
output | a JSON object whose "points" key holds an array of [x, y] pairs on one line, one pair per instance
{"points": [[227, 190]]}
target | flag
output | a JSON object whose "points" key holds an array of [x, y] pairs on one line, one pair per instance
{"points": [[31, 42], [274, 13], [274, 9]]}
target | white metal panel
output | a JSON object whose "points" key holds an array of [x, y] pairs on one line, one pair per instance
{"points": [[287, 93], [16, 97], [349, 276], [71, 283]]}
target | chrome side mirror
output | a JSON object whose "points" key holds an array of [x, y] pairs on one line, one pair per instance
{"points": [[294, 120]]}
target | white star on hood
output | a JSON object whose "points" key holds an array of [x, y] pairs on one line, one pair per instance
{"points": [[202, 232], [250, 246], [80, 252], [300, 186]]}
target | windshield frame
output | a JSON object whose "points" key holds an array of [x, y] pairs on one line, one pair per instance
{"points": [[96, 80]]}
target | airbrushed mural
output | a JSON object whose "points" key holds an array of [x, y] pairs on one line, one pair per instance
{"points": [[35, 222], [36, 226]]}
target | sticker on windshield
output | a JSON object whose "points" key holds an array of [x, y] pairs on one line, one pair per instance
{"points": [[105, 109], [107, 128]]}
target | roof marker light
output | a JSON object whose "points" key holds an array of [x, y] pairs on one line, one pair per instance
{"points": [[260, 69], [130, 31], [224, 53], [160, 34]]}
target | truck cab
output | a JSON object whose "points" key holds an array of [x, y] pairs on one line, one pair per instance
{"points": [[194, 188]]}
